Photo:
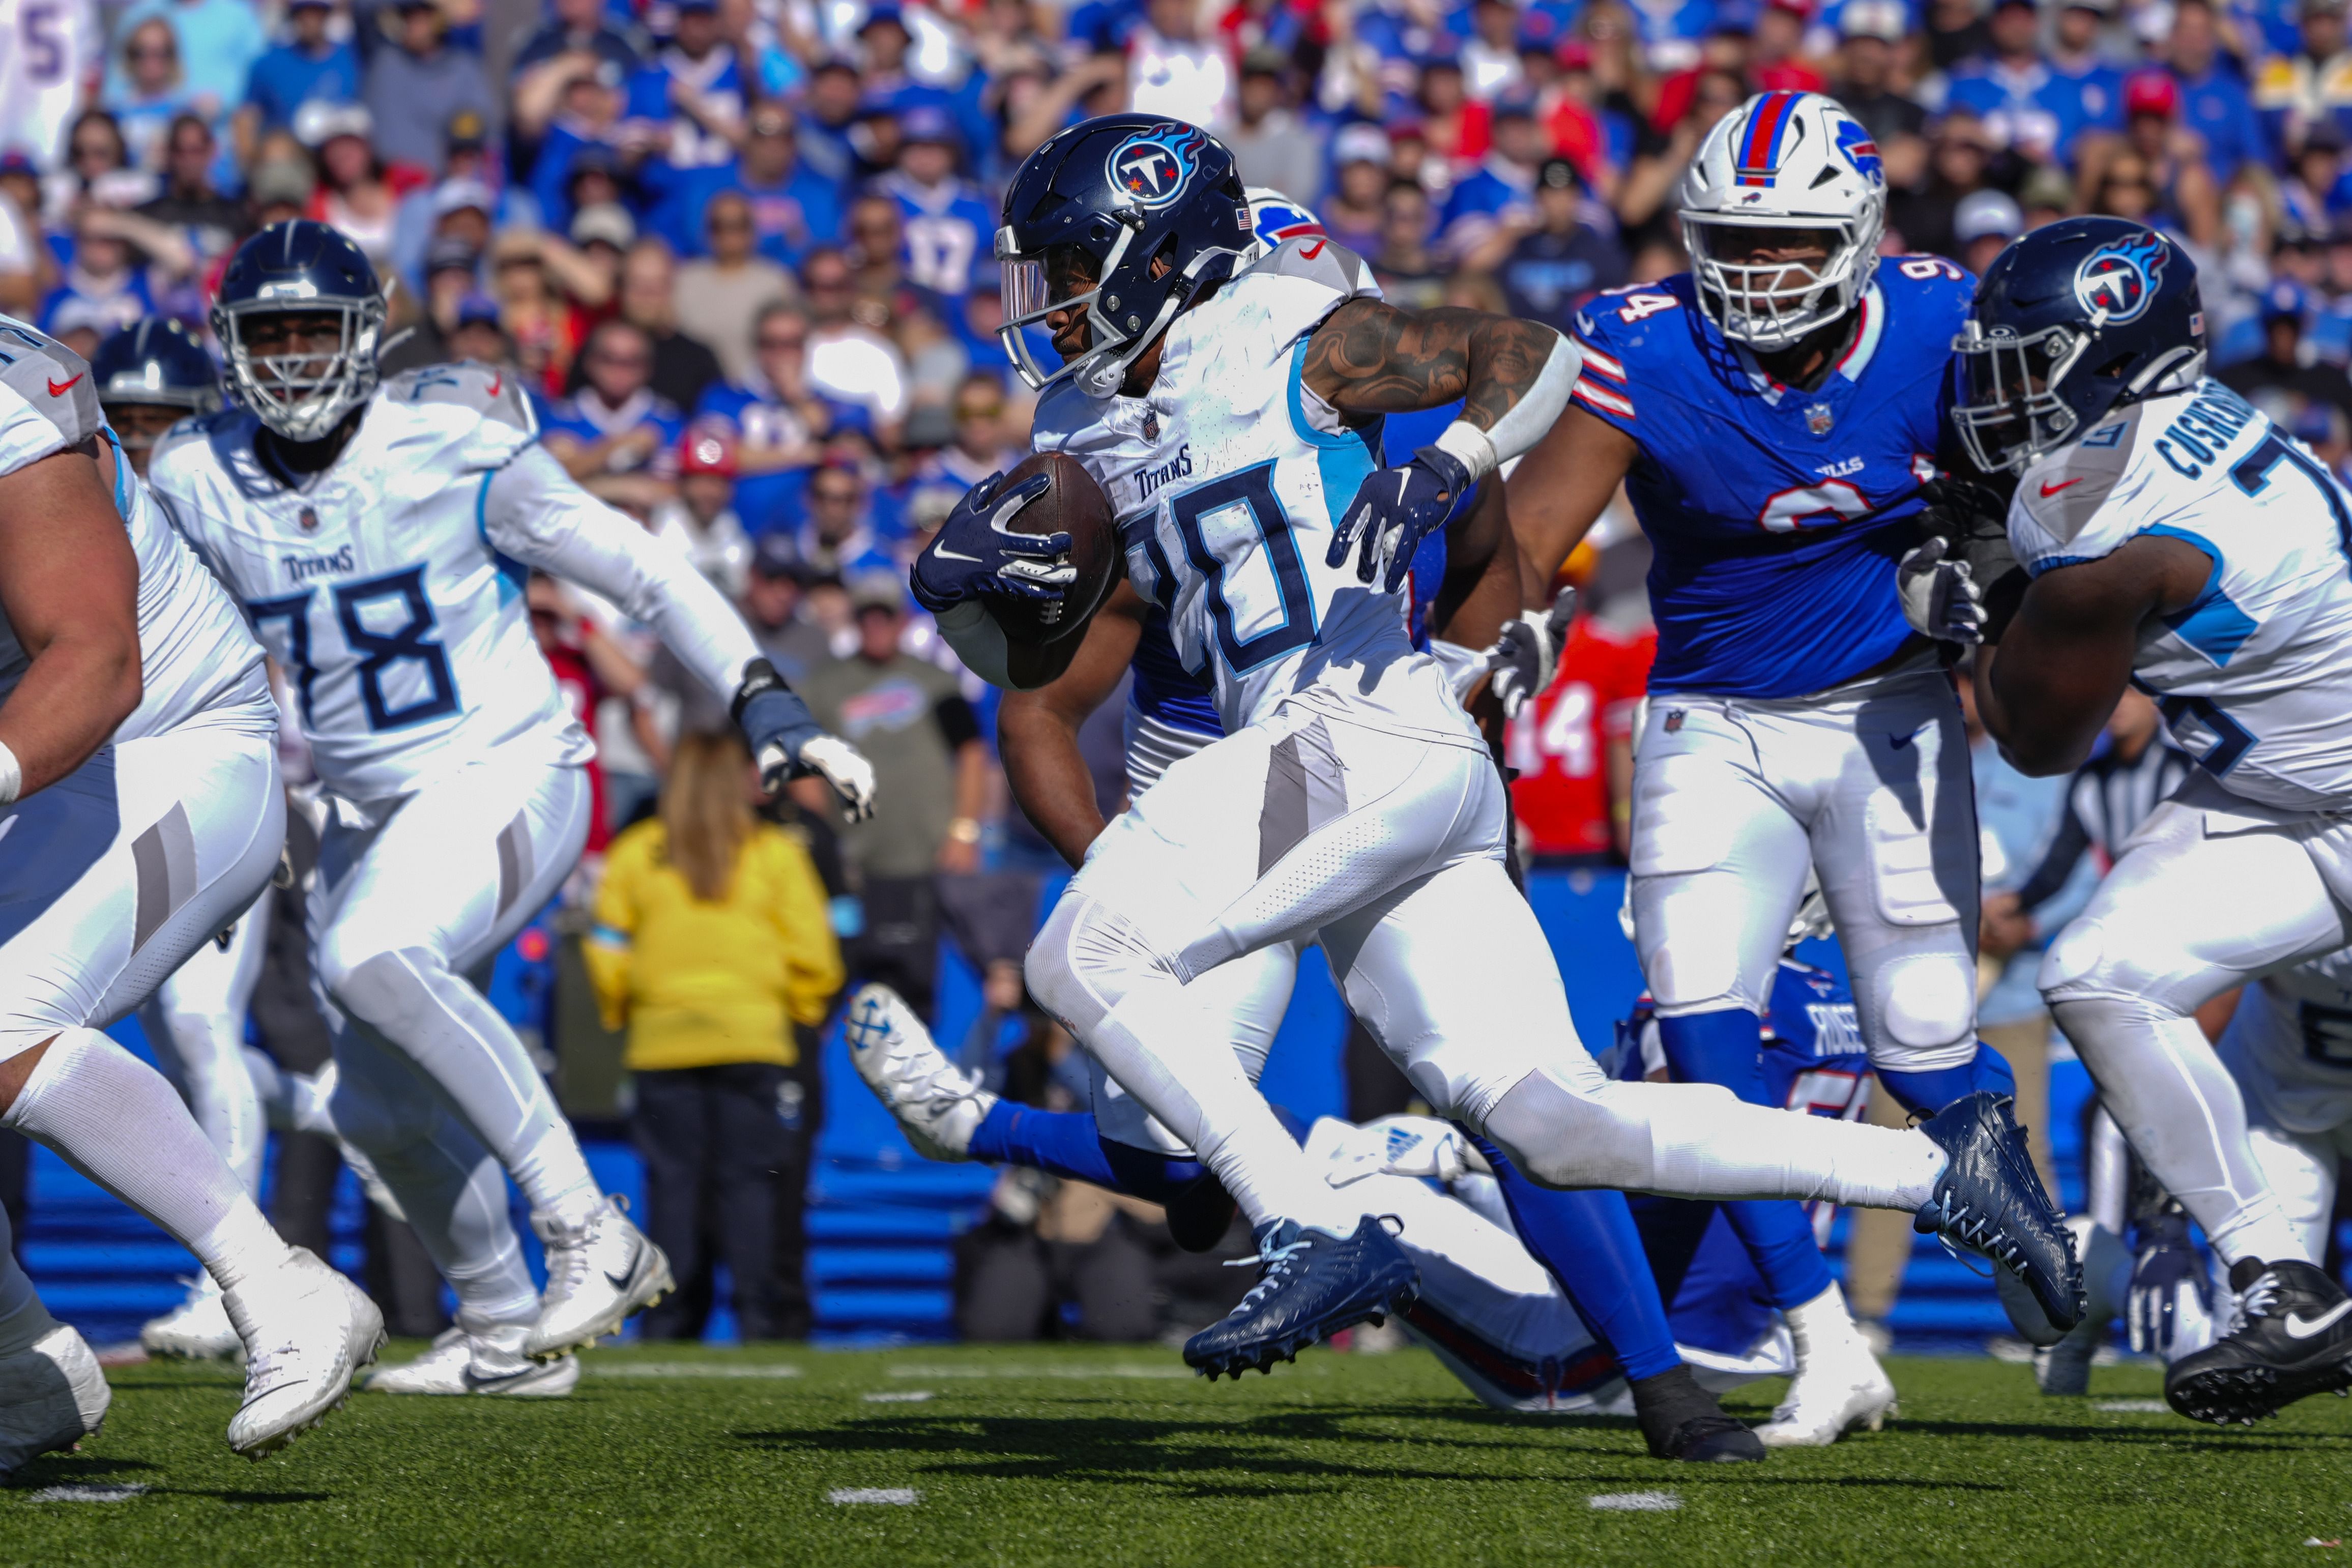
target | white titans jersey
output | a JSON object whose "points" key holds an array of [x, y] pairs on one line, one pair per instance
{"points": [[1228, 479], [195, 654], [376, 585], [2255, 677], [2291, 1043]]}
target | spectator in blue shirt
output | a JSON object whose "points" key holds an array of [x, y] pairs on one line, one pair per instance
{"points": [[218, 42], [2296, 90], [585, 140], [1552, 270], [688, 106], [307, 65], [2035, 107], [945, 222], [615, 424], [1501, 189], [2214, 101], [792, 205], [418, 84], [151, 94], [780, 420], [577, 28], [2086, 93]]}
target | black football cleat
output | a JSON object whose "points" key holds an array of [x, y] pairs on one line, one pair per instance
{"points": [[1990, 1201], [2293, 1339], [1310, 1285], [1200, 1212], [1681, 1420]]}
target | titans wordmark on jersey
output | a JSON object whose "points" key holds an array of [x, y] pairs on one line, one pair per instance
{"points": [[376, 585], [2255, 677], [1776, 514], [1228, 479]]}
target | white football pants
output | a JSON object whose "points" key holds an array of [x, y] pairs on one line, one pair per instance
{"points": [[1735, 798], [2299, 1132], [195, 1025], [1391, 849], [411, 897], [2212, 891]]}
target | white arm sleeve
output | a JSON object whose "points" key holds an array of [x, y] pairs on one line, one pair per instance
{"points": [[539, 514]]}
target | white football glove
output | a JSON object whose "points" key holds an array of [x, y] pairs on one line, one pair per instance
{"points": [[833, 760], [1402, 1146], [1525, 656], [1940, 598]]}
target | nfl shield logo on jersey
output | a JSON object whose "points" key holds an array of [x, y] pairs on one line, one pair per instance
{"points": [[1817, 418], [2115, 282], [1154, 166], [1151, 425], [308, 520]]}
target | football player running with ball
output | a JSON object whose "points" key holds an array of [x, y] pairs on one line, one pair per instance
{"points": [[373, 534], [1772, 414], [1232, 421], [2178, 540]]}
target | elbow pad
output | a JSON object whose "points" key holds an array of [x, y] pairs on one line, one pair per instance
{"points": [[979, 641]]}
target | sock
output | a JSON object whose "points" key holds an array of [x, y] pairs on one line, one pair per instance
{"points": [[1068, 1144], [1587, 1241], [23, 1319], [1213, 1107], [1925, 1093], [412, 1000], [1728, 1048], [203, 1055], [112, 1118], [1820, 1323]]}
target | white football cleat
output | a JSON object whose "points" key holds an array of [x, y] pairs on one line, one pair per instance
{"points": [[308, 1331], [197, 1330], [491, 1362], [1839, 1387], [597, 1277], [938, 1104], [52, 1395]]}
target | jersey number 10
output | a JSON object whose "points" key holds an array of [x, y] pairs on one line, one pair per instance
{"points": [[379, 650]]}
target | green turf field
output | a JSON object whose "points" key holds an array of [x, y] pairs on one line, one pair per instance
{"points": [[1107, 1455]]}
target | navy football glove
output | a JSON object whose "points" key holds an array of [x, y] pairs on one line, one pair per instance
{"points": [[2170, 1303], [789, 743], [977, 550], [1395, 510]]}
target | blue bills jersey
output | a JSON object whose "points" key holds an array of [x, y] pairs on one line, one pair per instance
{"points": [[1814, 1063], [1777, 515]]}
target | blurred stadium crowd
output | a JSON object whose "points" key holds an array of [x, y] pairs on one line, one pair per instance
{"points": [[740, 252]]}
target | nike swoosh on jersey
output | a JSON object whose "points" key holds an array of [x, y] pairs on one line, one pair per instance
{"points": [[59, 388], [2301, 1328], [1311, 252], [2049, 490]]}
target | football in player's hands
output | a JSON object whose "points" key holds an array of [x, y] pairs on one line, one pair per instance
{"points": [[1036, 547]]}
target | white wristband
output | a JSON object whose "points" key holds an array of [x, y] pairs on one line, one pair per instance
{"points": [[12, 776], [1467, 445]]}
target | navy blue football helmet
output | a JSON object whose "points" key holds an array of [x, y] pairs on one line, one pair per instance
{"points": [[2074, 320], [301, 267], [1086, 217], [153, 365]]}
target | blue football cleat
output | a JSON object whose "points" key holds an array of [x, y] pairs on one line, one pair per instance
{"points": [[1310, 1285], [1990, 1201]]}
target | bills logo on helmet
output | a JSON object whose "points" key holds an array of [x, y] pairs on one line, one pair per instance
{"points": [[1274, 222], [1154, 166], [2116, 282], [1854, 144]]}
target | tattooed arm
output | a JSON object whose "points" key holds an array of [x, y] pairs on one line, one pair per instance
{"points": [[1369, 358]]}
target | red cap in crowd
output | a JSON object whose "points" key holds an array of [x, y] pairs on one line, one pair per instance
{"points": [[707, 449], [2151, 92]]}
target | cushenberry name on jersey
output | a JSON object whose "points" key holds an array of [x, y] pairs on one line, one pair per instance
{"points": [[2201, 431]]}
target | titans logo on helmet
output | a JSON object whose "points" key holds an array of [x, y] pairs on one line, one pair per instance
{"points": [[1154, 166], [2115, 282], [1853, 144]]}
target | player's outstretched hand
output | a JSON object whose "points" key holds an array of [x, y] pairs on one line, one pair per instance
{"points": [[1395, 510], [789, 743], [1939, 594], [1526, 654], [978, 551], [2170, 1304]]}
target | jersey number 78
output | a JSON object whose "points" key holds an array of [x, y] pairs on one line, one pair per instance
{"points": [[357, 616]]}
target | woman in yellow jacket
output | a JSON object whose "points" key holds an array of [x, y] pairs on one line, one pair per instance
{"points": [[712, 940]]}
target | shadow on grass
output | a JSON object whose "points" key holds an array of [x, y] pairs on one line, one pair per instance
{"points": [[1184, 1454], [2177, 1433]]}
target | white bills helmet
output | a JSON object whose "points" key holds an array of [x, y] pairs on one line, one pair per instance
{"points": [[1783, 160], [1275, 217]]}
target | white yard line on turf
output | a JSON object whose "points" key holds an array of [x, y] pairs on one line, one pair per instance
{"points": [[78, 1491], [1082, 1374], [898, 1396], [2131, 1407], [904, 1496], [686, 1369], [1636, 1502]]}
